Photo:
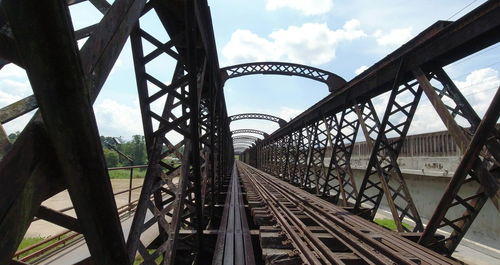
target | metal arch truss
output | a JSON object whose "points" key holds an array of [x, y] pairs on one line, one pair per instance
{"points": [[243, 143], [258, 116], [238, 131], [333, 81], [246, 137], [314, 150]]}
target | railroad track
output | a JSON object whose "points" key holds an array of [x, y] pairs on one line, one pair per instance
{"points": [[322, 233]]}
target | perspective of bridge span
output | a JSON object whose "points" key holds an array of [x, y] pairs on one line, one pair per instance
{"points": [[355, 178]]}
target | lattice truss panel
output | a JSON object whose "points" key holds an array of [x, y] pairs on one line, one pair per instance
{"points": [[342, 130], [292, 156], [283, 157], [302, 152], [178, 117], [383, 175], [271, 156], [315, 172], [461, 204]]}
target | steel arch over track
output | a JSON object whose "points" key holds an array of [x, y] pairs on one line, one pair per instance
{"points": [[238, 131], [333, 81], [257, 116], [243, 142], [246, 137]]}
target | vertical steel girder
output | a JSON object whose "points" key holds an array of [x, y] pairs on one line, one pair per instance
{"points": [[293, 156], [275, 158], [480, 146], [55, 42], [283, 163], [301, 155], [383, 175], [315, 171], [339, 170], [288, 156], [59, 83], [189, 103]]}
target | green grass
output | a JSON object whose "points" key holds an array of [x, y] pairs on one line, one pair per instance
{"points": [[125, 173], [139, 259], [390, 224], [28, 241]]}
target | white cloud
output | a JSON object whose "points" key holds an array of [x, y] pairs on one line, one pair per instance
{"points": [[12, 70], [360, 69], [308, 7], [246, 46], [14, 84], [288, 114], [377, 33], [7, 98], [116, 119], [479, 87], [394, 37], [311, 43]]}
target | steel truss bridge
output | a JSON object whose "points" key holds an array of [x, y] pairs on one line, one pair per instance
{"points": [[210, 207]]}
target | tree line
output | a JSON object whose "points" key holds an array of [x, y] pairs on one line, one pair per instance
{"points": [[133, 152], [119, 152]]}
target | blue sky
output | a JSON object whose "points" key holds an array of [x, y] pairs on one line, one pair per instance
{"points": [[343, 37]]}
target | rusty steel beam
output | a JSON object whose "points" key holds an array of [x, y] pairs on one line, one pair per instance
{"points": [[17, 109], [56, 75], [41, 167], [59, 219]]}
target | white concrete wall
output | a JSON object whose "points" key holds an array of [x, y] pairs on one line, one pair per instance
{"points": [[426, 192]]}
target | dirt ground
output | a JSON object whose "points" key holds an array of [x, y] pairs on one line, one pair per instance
{"points": [[61, 200]]}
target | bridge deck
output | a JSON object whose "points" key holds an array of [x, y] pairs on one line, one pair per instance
{"points": [[321, 233]]}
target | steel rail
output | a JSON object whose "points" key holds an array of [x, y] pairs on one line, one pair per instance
{"points": [[304, 253], [369, 255], [340, 225], [315, 205]]}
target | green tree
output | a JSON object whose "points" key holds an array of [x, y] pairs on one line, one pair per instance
{"points": [[111, 157], [138, 149], [13, 136]]}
